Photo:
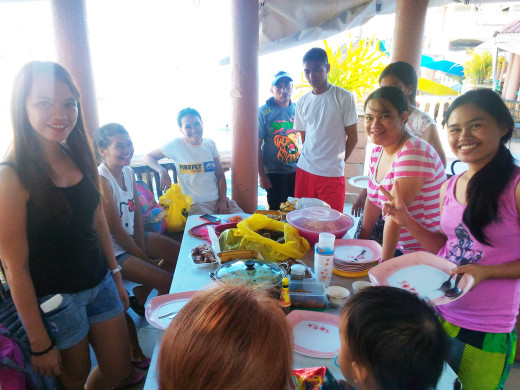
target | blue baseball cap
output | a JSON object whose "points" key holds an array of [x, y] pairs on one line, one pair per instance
{"points": [[280, 75]]}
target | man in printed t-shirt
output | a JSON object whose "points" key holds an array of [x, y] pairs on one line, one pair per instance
{"points": [[198, 166], [278, 144]]}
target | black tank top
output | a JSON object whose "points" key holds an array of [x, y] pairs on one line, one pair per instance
{"points": [[65, 257]]}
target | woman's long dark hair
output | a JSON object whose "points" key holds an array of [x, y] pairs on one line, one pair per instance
{"points": [[486, 186], [32, 168], [404, 72]]}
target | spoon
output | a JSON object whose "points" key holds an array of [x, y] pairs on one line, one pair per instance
{"points": [[169, 313], [356, 258], [447, 284], [455, 291]]}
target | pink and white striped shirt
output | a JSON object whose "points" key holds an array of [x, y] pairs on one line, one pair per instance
{"points": [[417, 158]]}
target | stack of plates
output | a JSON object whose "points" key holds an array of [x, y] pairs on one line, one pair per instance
{"points": [[353, 258]]}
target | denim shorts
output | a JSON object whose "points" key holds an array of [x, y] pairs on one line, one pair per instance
{"points": [[125, 255], [69, 323]]}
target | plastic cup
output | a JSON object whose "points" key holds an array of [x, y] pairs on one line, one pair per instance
{"points": [[360, 284], [323, 275], [323, 265], [326, 243]]}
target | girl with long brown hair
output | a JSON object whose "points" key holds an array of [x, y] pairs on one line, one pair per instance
{"points": [[54, 241]]}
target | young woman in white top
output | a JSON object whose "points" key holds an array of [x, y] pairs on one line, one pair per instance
{"points": [[133, 247]]}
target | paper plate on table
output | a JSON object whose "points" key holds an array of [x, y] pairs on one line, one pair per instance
{"points": [[345, 251], [354, 268], [196, 230], [315, 334], [349, 274], [422, 274], [359, 181], [158, 308]]}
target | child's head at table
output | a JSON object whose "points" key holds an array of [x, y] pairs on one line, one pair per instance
{"points": [[228, 337], [391, 339]]}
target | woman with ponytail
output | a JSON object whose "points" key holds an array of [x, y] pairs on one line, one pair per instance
{"points": [[480, 226]]}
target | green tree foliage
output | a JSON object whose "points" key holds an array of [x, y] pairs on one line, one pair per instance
{"points": [[479, 67], [355, 66]]}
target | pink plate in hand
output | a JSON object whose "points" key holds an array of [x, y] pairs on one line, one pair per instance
{"points": [[315, 334], [160, 309], [422, 274], [346, 250]]}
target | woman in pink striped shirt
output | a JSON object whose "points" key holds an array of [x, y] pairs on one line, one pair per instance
{"points": [[399, 156]]}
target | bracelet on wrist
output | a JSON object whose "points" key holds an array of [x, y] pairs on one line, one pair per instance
{"points": [[32, 353], [115, 270]]}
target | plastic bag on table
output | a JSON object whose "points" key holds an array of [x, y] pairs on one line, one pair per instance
{"points": [[314, 378], [301, 203], [245, 236], [178, 205]]}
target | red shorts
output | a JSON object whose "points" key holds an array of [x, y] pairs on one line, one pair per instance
{"points": [[327, 189]]}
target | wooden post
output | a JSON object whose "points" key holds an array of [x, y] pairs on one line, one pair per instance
{"points": [[71, 36], [244, 94], [407, 43]]}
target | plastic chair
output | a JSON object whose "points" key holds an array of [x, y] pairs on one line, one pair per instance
{"points": [[457, 167]]}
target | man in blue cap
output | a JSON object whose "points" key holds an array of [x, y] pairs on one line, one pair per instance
{"points": [[279, 146]]}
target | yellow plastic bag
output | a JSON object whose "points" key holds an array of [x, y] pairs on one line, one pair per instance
{"points": [[178, 205], [245, 236]]}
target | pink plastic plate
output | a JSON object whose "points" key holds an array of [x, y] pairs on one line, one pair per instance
{"points": [[315, 334], [346, 250], [224, 226], [421, 273], [196, 230], [164, 304]]}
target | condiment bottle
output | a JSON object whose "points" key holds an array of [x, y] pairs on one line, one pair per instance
{"points": [[297, 272], [285, 300]]}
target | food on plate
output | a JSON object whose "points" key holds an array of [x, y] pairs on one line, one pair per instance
{"points": [[235, 219], [287, 206], [274, 235], [273, 214], [203, 254]]}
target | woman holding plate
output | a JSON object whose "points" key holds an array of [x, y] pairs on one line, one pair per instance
{"points": [[480, 223], [404, 158]]}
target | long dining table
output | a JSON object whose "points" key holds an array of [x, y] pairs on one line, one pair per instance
{"points": [[187, 277]]}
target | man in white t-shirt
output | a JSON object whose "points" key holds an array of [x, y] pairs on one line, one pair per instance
{"points": [[198, 167], [327, 120]]}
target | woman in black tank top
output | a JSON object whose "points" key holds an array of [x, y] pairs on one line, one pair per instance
{"points": [[54, 240]]}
